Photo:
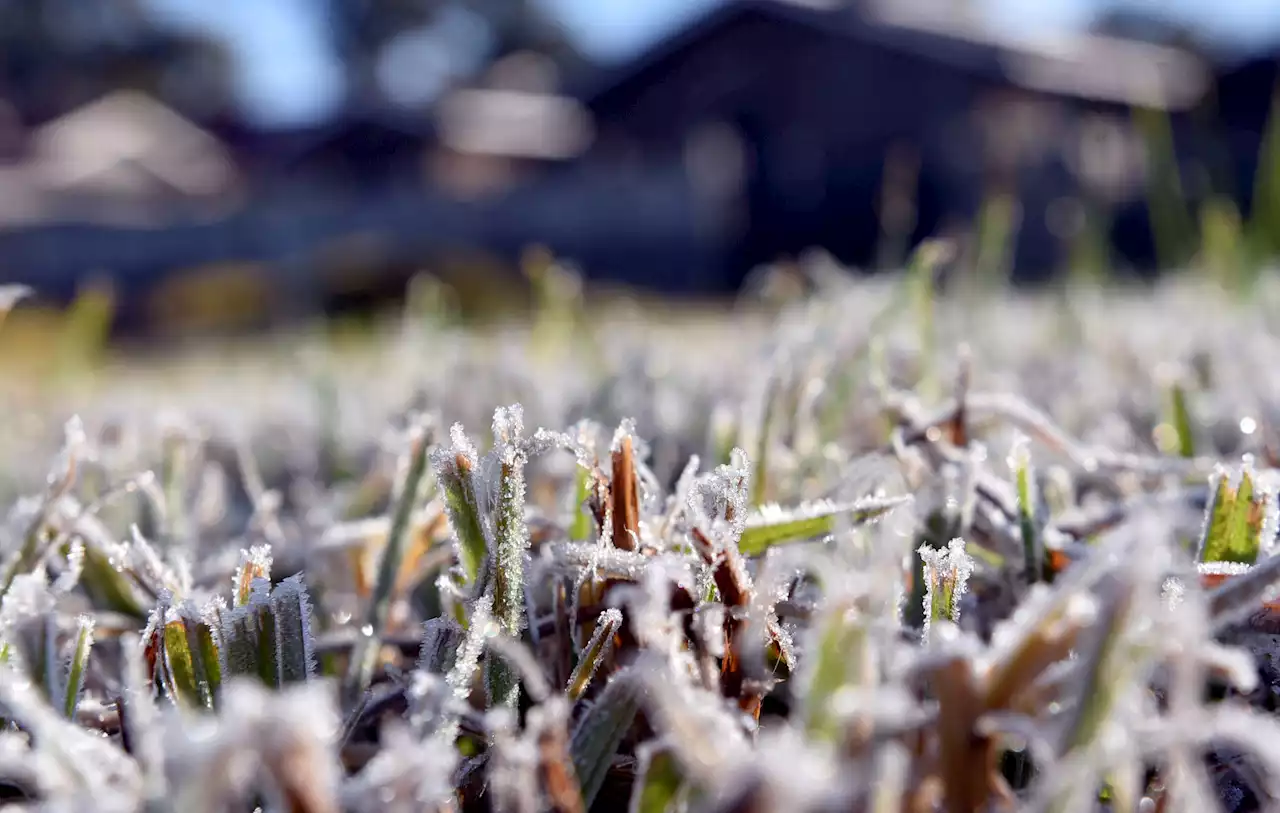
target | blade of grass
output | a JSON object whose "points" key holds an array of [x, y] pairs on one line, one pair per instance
{"points": [[364, 658], [770, 526], [597, 650], [455, 471], [78, 666], [511, 540], [600, 732]]}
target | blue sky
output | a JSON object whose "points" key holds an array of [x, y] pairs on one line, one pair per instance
{"points": [[288, 75]]}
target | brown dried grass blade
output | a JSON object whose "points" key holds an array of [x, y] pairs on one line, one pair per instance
{"points": [[624, 497], [556, 772], [963, 753]]}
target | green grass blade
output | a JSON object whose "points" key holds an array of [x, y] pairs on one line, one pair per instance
{"points": [[770, 525], [108, 588], [839, 658], [1033, 553], [78, 666], [597, 649], [206, 645], [455, 471], [179, 663], [580, 527], [760, 476], [600, 732], [946, 577], [511, 541], [1180, 416], [1233, 520], [364, 658]]}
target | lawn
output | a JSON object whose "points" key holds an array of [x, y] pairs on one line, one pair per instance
{"points": [[859, 545]]}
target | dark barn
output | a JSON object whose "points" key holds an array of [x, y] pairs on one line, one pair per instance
{"points": [[831, 127]]}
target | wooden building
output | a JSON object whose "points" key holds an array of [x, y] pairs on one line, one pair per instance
{"points": [[856, 128]]}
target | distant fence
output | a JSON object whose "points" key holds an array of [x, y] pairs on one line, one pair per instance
{"points": [[640, 228]]}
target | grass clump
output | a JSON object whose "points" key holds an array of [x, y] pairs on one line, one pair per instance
{"points": [[859, 551]]}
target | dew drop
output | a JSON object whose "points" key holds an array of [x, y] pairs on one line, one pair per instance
{"points": [[1248, 425]]}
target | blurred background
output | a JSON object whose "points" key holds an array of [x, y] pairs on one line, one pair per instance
{"points": [[179, 168]]}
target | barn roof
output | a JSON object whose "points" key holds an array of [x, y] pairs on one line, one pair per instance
{"points": [[1105, 69]]}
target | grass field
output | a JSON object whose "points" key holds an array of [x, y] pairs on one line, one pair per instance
{"points": [[861, 547]]}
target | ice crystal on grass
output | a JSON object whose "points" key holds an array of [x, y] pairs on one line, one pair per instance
{"points": [[946, 576], [535, 620], [511, 544]]}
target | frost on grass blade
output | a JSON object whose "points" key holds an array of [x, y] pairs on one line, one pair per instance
{"points": [[772, 525], [455, 469], [365, 655], [179, 663], [255, 563], [442, 639], [600, 731], [946, 577], [597, 650], [511, 541], [78, 666], [249, 638], [624, 499], [208, 644], [461, 675], [1033, 553], [295, 646], [1235, 518]]}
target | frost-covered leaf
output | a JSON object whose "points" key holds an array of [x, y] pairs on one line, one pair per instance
{"points": [[255, 564], [455, 469], [772, 525], [442, 639], [624, 498], [596, 651], [600, 731], [511, 541], [1030, 526], [78, 666], [180, 665], [1234, 518], [295, 642], [946, 577], [364, 658]]}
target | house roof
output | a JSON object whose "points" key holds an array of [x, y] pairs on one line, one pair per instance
{"points": [[129, 133], [1087, 67], [514, 124]]}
